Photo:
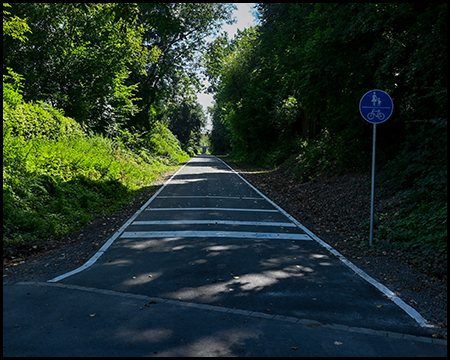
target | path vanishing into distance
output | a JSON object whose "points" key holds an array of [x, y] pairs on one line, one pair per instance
{"points": [[211, 267]]}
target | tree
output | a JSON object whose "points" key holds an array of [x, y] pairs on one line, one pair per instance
{"points": [[14, 26], [353, 48], [112, 66], [236, 96], [79, 57], [307, 65], [186, 120], [220, 138], [179, 31]]}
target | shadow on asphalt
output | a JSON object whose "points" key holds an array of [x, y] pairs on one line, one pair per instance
{"points": [[292, 278]]}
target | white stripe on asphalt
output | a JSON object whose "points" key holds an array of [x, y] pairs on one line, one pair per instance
{"points": [[213, 222], [391, 295], [113, 238], [209, 209], [211, 197], [215, 234]]}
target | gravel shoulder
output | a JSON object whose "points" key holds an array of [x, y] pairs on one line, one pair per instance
{"points": [[332, 206]]}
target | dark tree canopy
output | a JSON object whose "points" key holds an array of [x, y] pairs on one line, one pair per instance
{"points": [[301, 73]]}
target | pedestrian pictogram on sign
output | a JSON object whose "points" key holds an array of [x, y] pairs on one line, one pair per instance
{"points": [[376, 106]]}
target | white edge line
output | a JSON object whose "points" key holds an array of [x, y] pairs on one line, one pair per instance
{"points": [[405, 307], [211, 197], [106, 245], [215, 234], [214, 222], [211, 209]]}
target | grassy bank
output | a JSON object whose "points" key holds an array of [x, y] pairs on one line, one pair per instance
{"points": [[57, 176]]}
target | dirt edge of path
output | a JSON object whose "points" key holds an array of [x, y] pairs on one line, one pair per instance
{"points": [[303, 201], [333, 207]]}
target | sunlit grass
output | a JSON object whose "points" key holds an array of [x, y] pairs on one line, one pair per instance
{"points": [[57, 178]]}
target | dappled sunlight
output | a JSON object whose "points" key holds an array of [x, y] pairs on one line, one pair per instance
{"points": [[169, 342], [321, 256], [303, 268], [178, 181], [182, 247], [143, 278], [277, 261], [144, 336], [221, 343], [325, 264], [198, 262], [222, 247], [235, 273], [206, 270], [218, 250], [257, 282], [245, 283], [152, 243], [119, 262]]}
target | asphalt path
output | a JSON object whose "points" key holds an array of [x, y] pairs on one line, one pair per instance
{"points": [[210, 267]]}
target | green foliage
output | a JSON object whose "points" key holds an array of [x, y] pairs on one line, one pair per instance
{"points": [[242, 102], [179, 31], [116, 71], [14, 26], [307, 65], [220, 138], [287, 89], [420, 172], [420, 229], [12, 88], [32, 120], [186, 120], [79, 57], [120, 68], [166, 146], [290, 89], [314, 157], [56, 177]]}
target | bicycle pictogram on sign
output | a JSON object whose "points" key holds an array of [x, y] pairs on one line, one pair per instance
{"points": [[376, 106]]}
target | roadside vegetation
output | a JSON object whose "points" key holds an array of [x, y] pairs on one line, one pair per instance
{"points": [[287, 91], [99, 99], [57, 176]]}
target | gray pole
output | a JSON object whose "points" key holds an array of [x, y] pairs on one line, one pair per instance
{"points": [[373, 184]]}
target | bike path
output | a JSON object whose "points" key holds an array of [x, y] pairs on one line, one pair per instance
{"points": [[206, 245]]}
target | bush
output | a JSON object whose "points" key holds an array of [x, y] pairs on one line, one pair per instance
{"points": [[315, 155], [420, 171], [56, 177], [53, 187]]}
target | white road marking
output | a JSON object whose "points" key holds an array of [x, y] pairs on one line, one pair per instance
{"points": [[211, 197], [113, 238], [213, 222], [408, 309], [215, 234], [392, 296], [210, 209]]}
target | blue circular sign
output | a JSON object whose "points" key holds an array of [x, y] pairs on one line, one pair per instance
{"points": [[376, 106]]}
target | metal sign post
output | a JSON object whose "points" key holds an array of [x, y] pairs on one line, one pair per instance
{"points": [[376, 107], [372, 197]]}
